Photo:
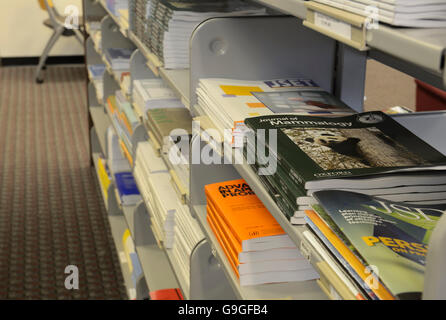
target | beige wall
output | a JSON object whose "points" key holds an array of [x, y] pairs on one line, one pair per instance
{"points": [[23, 33]]}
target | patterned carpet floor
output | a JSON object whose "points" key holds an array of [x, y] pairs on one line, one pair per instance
{"points": [[51, 210]]}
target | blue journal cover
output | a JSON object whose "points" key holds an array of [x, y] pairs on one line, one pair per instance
{"points": [[126, 184]]}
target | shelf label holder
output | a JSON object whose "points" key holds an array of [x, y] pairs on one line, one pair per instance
{"points": [[338, 24]]}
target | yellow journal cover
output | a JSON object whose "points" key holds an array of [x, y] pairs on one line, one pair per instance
{"points": [[104, 177], [126, 152], [127, 248], [381, 291]]}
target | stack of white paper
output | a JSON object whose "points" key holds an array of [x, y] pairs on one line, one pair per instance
{"points": [[171, 25], [119, 58], [407, 13], [171, 221], [228, 102], [152, 94]]}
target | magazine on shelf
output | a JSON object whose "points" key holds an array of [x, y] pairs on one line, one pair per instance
{"points": [[422, 17], [368, 150], [229, 101], [392, 236]]}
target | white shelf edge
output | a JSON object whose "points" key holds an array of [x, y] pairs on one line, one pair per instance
{"points": [[101, 122]]}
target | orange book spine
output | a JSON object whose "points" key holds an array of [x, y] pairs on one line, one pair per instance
{"points": [[126, 122], [236, 246], [223, 236], [381, 292], [214, 230], [111, 106], [126, 152], [219, 213]]}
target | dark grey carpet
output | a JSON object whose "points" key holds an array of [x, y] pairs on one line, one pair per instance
{"points": [[51, 210]]}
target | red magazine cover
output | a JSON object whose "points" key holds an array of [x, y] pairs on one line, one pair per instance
{"points": [[166, 294]]}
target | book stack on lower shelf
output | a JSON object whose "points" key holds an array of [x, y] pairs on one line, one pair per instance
{"points": [[170, 130], [127, 191], [257, 248], [118, 62], [172, 224]]}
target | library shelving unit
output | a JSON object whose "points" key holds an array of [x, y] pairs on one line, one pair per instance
{"points": [[246, 48]]}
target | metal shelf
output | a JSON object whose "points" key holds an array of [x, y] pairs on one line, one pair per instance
{"points": [[422, 47], [292, 7], [419, 52], [179, 81], [156, 267], [152, 60], [101, 122]]}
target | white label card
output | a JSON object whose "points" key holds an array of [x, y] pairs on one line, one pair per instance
{"points": [[333, 25]]}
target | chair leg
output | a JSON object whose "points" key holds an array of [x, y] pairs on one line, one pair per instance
{"points": [[56, 34]]}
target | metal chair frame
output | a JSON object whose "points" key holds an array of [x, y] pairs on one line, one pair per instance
{"points": [[57, 23]]}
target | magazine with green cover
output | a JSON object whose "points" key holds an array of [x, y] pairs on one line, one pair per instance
{"points": [[391, 236], [290, 186], [315, 150]]}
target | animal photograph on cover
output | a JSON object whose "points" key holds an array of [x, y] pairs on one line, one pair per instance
{"points": [[340, 149]]}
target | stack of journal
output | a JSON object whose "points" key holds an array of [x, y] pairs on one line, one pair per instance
{"points": [[166, 124], [170, 25], [123, 118], [228, 101], [258, 249], [171, 221], [405, 13], [153, 94], [368, 152], [119, 58]]}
